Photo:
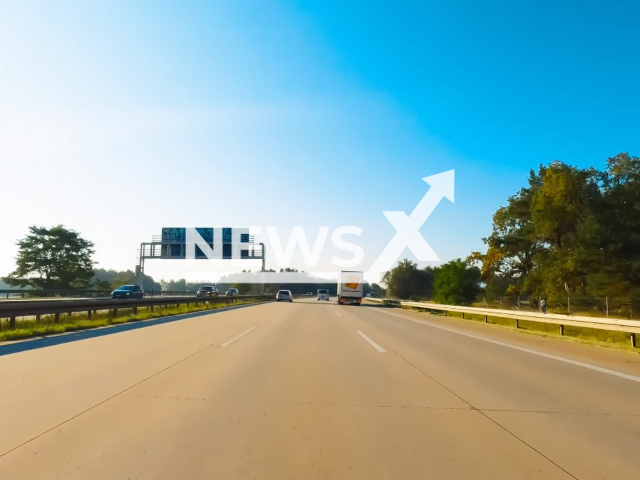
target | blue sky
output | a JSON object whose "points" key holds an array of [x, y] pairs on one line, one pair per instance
{"points": [[119, 118]]}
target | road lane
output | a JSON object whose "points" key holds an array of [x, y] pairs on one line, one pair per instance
{"points": [[303, 395], [586, 421], [51, 385]]}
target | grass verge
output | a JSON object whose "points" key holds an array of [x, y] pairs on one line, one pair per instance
{"points": [[75, 322], [585, 335]]}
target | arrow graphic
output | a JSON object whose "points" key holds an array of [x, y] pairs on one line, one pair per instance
{"points": [[408, 227]]}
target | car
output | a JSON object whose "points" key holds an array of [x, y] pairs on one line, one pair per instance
{"points": [[284, 295], [368, 295], [128, 291], [232, 292], [309, 294], [323, 294], [207, 291]]}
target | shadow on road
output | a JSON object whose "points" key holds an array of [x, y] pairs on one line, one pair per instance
{"points": [[62, 338], [334, 302]]}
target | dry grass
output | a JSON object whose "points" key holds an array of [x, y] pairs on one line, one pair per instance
{"points": [[591, 336]]}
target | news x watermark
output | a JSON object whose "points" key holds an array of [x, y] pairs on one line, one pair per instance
{"points": [[407, 235]]}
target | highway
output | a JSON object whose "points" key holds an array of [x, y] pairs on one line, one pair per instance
{"points": [[310, 390]]}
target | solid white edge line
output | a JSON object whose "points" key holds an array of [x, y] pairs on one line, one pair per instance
{"points": [[371, 342], [237, 337], [589, 366]]}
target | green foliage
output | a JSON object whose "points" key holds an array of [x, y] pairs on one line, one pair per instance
{"points": [[243, 288], [456, 283], [570, 229], [406, 281], [101, 284], [52, 258], [114, 279], [376, 290], [453, 283]]}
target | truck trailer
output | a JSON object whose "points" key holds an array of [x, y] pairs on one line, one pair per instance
{"points": [[350, 287]]}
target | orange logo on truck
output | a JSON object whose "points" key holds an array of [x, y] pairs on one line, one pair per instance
{"points": [[352, 282]]}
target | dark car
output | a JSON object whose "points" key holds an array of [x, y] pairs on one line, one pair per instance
{"points": [[207, 291], [128, 291], [232, 292]]}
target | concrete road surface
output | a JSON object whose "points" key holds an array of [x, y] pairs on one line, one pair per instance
{"points": [[310, 390]]}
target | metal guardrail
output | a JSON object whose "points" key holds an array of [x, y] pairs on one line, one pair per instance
{"points": [[52, 293], [627, 326], [34, 293], [31, 309]]}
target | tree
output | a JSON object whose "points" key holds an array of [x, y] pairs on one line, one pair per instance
{"points": [[101, 284], [456, 283], [378, 291], [406, 280], [513, 244], [53, 258], [571, 228], [115, 278]]}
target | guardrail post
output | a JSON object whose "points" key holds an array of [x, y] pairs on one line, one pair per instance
{"points": [[56, 318], [37, 318], [151, 308], [12, 323], [89, 314], [561, 329], [486, 319], [134, 310], [633, 340], [115, 312], [517, 323], [463, 315]]}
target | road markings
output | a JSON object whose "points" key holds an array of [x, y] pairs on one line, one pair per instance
{"points": [[338, 313], [588, 366], [282, 311], [237, 337], [371, 342]]}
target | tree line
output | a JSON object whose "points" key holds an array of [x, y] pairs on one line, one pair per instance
{"points": [[570, 232], [455, 282]]}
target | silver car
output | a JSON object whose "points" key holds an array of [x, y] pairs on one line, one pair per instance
{"points": [[323, 294], [284, 295]]}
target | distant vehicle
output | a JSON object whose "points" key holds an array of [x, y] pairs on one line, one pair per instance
{"points": [[323, 294], [207, 291], [284, 295], [128, 291], [368, 295], [232, 292], [350, 287], [309, 294]]}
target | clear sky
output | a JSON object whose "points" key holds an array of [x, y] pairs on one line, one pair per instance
{"points": [[119, 118]]}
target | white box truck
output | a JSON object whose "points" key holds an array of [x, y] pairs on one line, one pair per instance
{"points": [[350, 287]]}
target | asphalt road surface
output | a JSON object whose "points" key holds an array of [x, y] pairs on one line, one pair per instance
{"points": [[310, 390]]}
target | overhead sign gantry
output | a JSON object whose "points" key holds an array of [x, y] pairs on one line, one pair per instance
{"points": [[214, 243]]}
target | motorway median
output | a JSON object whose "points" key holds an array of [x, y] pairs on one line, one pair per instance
{"points": [[79, 321]]}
